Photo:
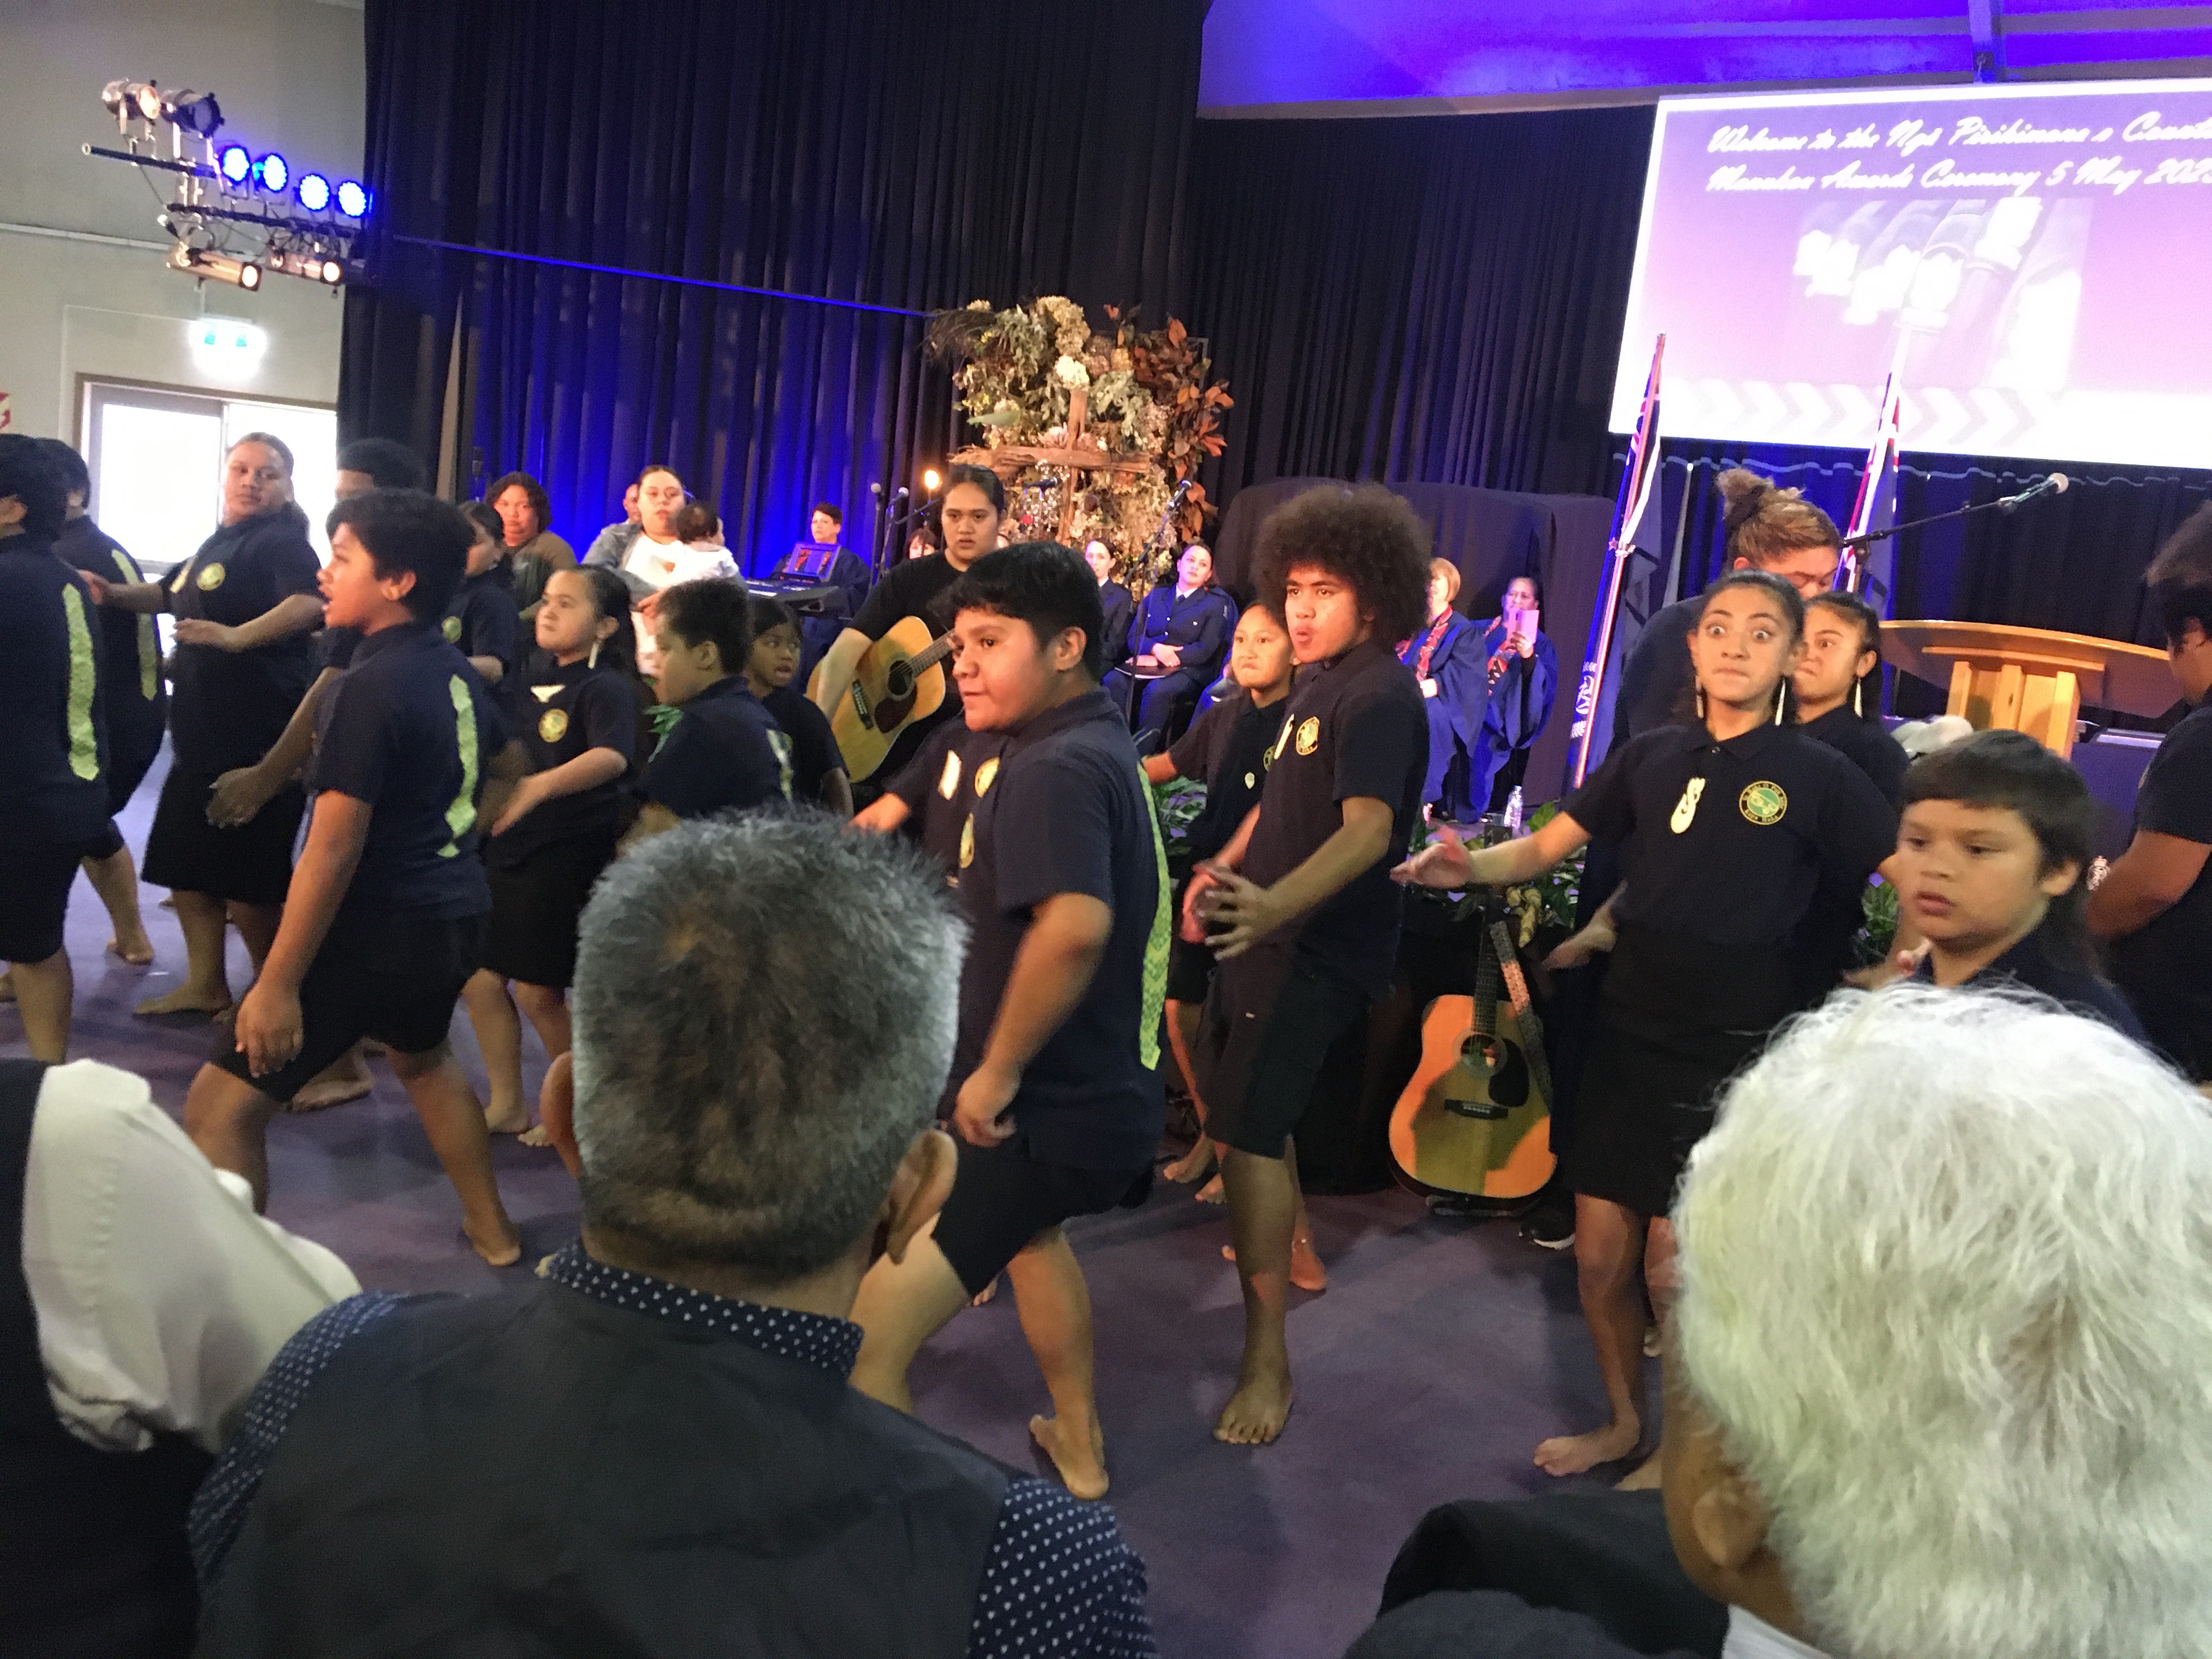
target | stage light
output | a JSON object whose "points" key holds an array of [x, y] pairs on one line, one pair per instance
{"points": [[195, 112], [331, 272], [148, 99], [273, 172], [353, 200], [930, 480], [237, 166], [314, 192], [208, 265]]}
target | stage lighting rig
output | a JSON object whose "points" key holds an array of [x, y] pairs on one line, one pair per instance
{"points": [[235, 217]]}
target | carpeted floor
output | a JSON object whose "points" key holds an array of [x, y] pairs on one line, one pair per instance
{"points": [[1437, 1357]]}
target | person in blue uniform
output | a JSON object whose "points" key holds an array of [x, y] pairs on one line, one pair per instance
{"points": [[1113, 599], [579, 717], [2154, 906], [725, 753], [1727, 827], [1992, 866], [134, 699], [385, 916], [53, 795], [484, 622], [823, 557], [1298, 905], [1055, 1087], [817, 770], [1447, 662], [1522, 668], [1184, 629], [245, 605]]}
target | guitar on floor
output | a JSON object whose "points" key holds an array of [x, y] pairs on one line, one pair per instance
{"points": [[1476, 1120], [900, 680]]}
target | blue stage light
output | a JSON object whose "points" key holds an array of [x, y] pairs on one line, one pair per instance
{"points": [[274, 174], [237, 166], [314, 192], [353, 199]]}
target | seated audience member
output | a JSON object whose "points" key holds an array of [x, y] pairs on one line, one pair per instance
{"points": [[2155, 905], [1996, 836], [1182, 635], [1113, 599], [664, 1455], [817, 770], [725, 753], [611, 543], [140, 1299], [533, 551], [377, 464], [1935, 1383], [481, 621], [825, 558]]}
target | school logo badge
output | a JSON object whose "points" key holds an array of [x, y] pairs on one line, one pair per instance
{"points": [[452, 630], [948, 778], [1763, 803], [986, 775], [1310, 735], [553, 725], [968, 842], [210, 579]]}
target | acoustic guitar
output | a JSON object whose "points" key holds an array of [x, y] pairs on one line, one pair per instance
{"points": [[1476, 1120], [900, 680]]}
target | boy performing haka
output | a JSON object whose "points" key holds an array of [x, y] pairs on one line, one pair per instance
{"points": [[385, 915], [1301, 898], [1055, 1086]]}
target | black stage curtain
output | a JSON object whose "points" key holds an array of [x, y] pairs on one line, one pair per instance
{"points": [[910, 155], [1429, 298]]}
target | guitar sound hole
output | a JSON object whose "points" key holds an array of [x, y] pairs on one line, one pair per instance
{"points": [[898, 679], [1482, 1054]]}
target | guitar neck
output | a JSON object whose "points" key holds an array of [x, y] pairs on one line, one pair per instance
{"points": [[1525, 1013], [930, 654]]}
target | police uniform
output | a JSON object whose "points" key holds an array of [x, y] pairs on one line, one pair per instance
{"points": [[814, 754], [1354, 729], [133, 691], [542, 869], [483, 621], [1198, 624], [410, 730], [942, 786], [2165, 965], [53, 798], [228, 708], [1119, 607], [1724, 846], [723, 754], [1064, 810], [1229, 748]]}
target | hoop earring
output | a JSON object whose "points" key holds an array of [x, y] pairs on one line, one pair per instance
{"points": [[1781, 701], [592, 661]]}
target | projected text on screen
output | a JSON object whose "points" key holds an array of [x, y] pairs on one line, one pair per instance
{"points": [[2038, 259]]}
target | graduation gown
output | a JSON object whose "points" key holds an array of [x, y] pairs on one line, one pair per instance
{"points": [[1515, 710]]}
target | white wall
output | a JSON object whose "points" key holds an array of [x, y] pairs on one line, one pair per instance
{"points": [[289, 75]]}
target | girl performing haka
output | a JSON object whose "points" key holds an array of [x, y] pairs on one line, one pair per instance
{"points": [[1729, 826]]}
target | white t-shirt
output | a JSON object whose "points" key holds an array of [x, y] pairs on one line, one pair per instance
{"points": [[663, 564]]}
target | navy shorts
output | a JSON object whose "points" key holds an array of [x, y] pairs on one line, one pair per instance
{"points": [[1003, 1197], [34, 896], [250, 865], [1274, 1014]]}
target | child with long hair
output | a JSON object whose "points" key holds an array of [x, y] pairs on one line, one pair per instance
{"points": [[579, 708], [1727, 826]]}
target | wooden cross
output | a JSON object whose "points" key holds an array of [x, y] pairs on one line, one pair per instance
{"points": [[1078, 453]]}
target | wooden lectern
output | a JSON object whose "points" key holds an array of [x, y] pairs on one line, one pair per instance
{"points": [[2029, 679]]}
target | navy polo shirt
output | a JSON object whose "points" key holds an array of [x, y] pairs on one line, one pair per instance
{"points": [[2165, 965], [724, 754], [1353, 728], [52, 726], [1727, 842], [1867, 744], [1229, 748], [482, 621], [228, 708], [2030, 963], [1067, 811], [132, 690], [560, 713], [941, 787], [410, 730], [814, 754]]}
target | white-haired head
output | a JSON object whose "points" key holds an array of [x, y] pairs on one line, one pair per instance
{"points": [[1946, 1300]]}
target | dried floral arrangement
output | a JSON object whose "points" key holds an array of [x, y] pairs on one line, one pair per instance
{"points": [[1149, 398]]}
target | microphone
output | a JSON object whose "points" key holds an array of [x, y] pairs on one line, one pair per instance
{"points": [[877, 490], [2054, 485]]}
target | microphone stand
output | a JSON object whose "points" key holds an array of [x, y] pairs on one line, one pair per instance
{"points": [[2002, 504]]}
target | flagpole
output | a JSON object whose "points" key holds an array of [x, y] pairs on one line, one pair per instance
{"points": [[1880, 461], [1636, 481]]}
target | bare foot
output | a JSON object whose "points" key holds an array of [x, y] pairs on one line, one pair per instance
{"points": [[1256, 1413], [505, 1249], [1306, 1271], [185, 1000], [513, 1118], [535, 1135], [1080, 1459], [983, 1296], [1644, 1478], [1193, 1165], [1212, 1192], [344, 1079], [1573, 1454], [137, 950]]}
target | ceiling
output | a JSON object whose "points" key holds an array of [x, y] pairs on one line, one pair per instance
{"points": [[1322, 57]]}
